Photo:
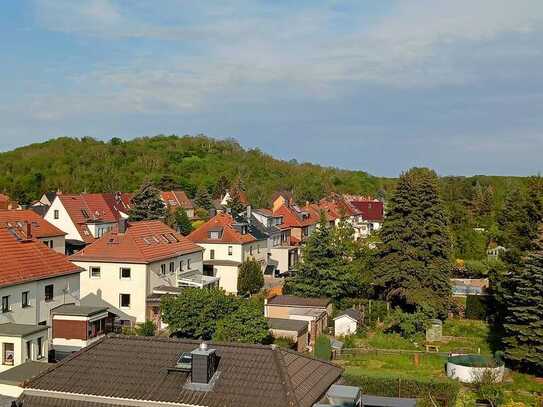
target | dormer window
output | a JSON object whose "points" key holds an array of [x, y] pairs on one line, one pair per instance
{"points": [[214, 234]]}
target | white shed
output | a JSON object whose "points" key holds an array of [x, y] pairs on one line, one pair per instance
{"points": [[347, 322]]}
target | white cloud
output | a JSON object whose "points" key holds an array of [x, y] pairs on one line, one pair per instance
{"points": [[301, 53]]}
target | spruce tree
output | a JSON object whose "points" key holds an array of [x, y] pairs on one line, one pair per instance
{"points": [[322, 271], [414, 263], [203, 199], [221, 187], [518, 222], [524, 317], [250, 277], [147, 205]]}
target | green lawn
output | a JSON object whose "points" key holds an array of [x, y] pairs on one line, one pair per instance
{"points": [[470, 336]]}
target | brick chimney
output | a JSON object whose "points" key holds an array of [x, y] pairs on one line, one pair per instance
{"points": [[28, 230], [203, 365]]}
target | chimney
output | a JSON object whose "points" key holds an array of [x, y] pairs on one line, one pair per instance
{"points": [[123, 225], [203, 365], [28, 230], [249, 213]]}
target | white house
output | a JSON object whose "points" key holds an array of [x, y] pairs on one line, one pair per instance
{"points": [[228, 243], [86, 217], [347, 322], [126, 266]]}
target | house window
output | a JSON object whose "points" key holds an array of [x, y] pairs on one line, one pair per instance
{"points": [[212, 254], [95, 272], [230, 250], [172, 266], [46, 242], [188, 264], [163, 269], [8, 353], [251, 250], [28, 350], [181, 265], [125, 273], [124, 300], [40, 348], [214, 235], [50, 244], [55, 213], [24, 299], [49, 292], [5, 303]]}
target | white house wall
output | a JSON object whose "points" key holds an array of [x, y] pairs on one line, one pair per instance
{"points": [[344, 326], [64, 222], [59, 243], [65, 291]]}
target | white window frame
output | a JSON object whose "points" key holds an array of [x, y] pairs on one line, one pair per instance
{"points": [[56, 214], [230, 250], [121, 301], [163, 269], [91, 276], [121, 273]]}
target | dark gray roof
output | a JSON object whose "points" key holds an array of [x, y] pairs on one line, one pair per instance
{"points": [[136, 368], [25, 371], [288, 325], [11, 329], [293, 301], [353, 313], [78, 310]]}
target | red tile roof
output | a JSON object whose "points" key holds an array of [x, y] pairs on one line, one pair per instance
{"points": [[292, 216], [40, 228], [222, 223], [336, 207], [29, 260], [88, 208], [143, 242], [177, 199], [371, 209]]}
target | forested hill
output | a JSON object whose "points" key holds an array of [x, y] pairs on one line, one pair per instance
{"points": [[75, 165]]}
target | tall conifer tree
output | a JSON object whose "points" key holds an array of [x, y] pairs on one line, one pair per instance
{"points": [[415, 259], [147, 205]]}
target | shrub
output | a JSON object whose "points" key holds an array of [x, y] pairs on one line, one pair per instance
{"points": [[146, 328], [476, 307], [323, 349], [442, 392], [284, 343], [250, 277], [406, 324]]}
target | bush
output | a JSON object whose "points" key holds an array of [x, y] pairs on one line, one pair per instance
{"points": [[146, 328], [286, 343], [323, 349], [250, 277], [476, 307], [406, 324], [441, 392]]}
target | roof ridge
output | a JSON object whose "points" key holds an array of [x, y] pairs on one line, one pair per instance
{"points": [[286, 382]]}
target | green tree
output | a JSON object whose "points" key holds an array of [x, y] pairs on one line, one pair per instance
{"points": [[247, 324], [524, 317], [146, 328], [203, 199], [182, 222], [221, 187], [318, 274], [147, 205], [234, 203], [250, 277], [194, 312], [414, 263]]}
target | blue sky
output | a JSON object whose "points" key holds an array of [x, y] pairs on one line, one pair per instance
{"points": [[374, 85]]}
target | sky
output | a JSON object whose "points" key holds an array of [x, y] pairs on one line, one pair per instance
{"points": [[379, 86]]}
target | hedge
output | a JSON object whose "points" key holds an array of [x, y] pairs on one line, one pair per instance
{"points": [[323, 349], [476, 307], [443, 392]]}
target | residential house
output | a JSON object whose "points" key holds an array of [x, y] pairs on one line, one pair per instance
{"points": [[283, 256], [34, 279], [347, 322], [178, 199], [337, 208], [228, 242], [159, 371], [300, 221], [461, 287], [42, 205], [125, 266], [87, 217], [223, 201], [29, 223], [371, 209], [315, 311]]}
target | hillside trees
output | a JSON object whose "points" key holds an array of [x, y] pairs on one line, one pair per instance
{"points": [[414, 262]]}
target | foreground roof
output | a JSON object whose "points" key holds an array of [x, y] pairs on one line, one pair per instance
{"points": [[291, 300], [40, 228], [24, 260], [135, 368], [143, 242]]}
